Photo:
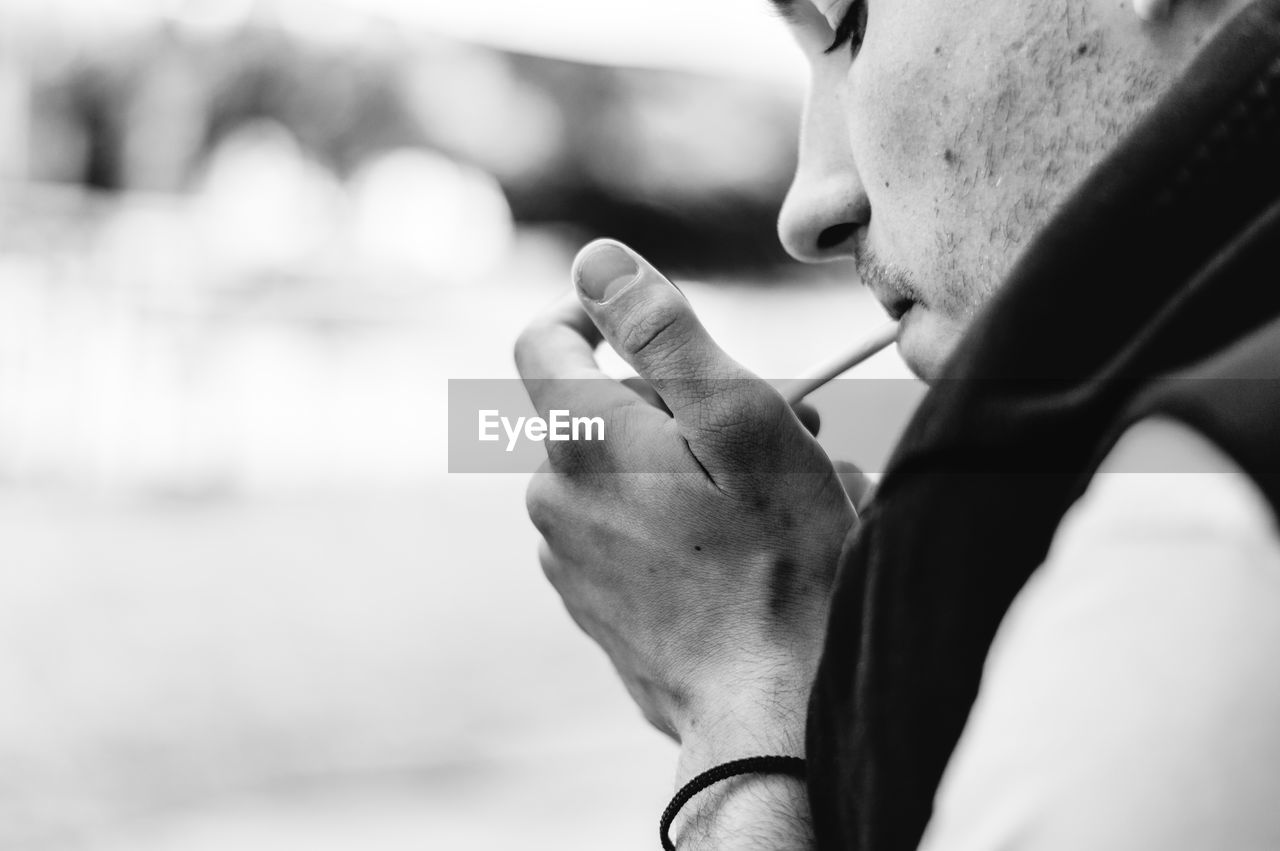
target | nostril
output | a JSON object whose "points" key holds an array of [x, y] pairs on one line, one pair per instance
{"points": [[835, 235]]}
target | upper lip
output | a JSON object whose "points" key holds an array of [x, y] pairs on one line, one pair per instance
{"points": [[894, 302]]}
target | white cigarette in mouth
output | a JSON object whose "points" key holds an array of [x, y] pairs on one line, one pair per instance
{"points": [[795, 390]]}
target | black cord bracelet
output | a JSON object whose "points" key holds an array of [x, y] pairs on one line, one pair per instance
{"points": [[790, 765]]}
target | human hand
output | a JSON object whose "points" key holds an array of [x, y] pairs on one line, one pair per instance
{"points": [[696, 547], [857, 485]]}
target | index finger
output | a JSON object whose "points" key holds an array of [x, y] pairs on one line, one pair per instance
{"points": [[555, 356]]}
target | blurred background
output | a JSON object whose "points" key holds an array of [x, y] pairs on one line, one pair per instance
{"points": [[243, 246]]}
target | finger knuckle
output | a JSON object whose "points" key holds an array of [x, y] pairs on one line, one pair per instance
{"points": [[657, 330], [747, 407], [542, 503], [574, 456], [527, 343], [549, 563]]}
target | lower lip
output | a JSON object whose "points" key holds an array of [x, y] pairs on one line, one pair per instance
{"points": [[909, 318], [905, 317]]}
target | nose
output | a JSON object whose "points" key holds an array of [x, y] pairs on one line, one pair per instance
{"points": [[826, 204]]}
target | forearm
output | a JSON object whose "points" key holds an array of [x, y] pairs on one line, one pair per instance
{"points": [[764, 811]]}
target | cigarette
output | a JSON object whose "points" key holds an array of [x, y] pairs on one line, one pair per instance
{"points": [[877, 341]]}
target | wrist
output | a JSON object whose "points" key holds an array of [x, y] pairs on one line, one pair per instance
{"points": [[750, 811], [754, 803], [770, 726]]}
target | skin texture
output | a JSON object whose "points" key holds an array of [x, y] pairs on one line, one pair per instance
{"points": [[932, 158], [952, 135], [742, 582]]}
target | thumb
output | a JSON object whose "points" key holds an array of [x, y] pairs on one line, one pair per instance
{"points": [[653, 327]]}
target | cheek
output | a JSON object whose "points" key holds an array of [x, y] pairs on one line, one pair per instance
{"points": [[924, 69], [923, 101], [899, 105]]}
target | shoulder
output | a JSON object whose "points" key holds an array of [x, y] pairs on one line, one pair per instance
{"points": [[1164, 478], [1130, 696]]}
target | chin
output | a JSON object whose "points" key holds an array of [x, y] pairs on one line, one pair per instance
{"points": [[925, 341]]}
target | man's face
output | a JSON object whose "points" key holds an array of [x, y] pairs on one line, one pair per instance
{"points": [[934, 149]]}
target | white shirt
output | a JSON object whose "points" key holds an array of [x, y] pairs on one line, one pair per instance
{"points": [[1132, 697]]}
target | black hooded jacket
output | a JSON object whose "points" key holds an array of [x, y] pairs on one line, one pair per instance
{"points": [[1177, 236]]}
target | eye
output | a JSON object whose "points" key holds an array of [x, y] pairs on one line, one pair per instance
{"points": [[851, 29]]}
